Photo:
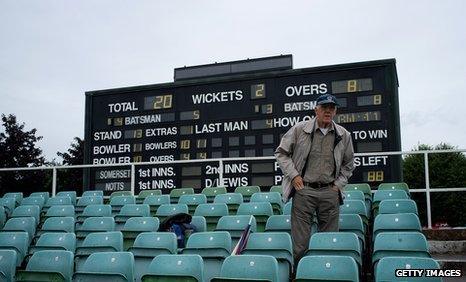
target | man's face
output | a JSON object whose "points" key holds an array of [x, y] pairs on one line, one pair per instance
{"points": [[325, 113]]}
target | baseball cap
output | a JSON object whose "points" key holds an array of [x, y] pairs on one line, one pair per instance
{"points": [[327, 99]]}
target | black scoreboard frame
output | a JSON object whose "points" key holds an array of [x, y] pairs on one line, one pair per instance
{"points": [[356, 114]]}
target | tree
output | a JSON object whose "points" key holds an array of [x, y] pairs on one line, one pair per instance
{"points": [[72, 179], [446, 170], [18, 148]]}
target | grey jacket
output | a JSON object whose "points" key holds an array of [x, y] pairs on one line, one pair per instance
{"points": [[295, 146]]}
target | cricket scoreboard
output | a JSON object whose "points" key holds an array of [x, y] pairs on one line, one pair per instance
{"points": [[234, 110]]}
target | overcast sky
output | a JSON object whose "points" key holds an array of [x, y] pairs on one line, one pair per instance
{"points": [[51, 52]]}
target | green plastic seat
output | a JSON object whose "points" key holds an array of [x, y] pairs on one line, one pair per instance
{"points": [[356, 207], [98, 242], [327, 268], [394, 186], [21, 224], [156, 201], [363, 187], [17, 196], [199, 222], [59, 211], [16, 241], [7, 265], [260, 210], [212, 213], [146, 193], [57, 201], [354, 195], [213, 247], [397, 206], [233, 200], [212, 192], [94, 224], [93, 193], [274, 198], [247, 191], [277, 188], [278, 223], [335, 243], [192, 201], [235, 225], [175, 268], [120, 193], [9, 204], [249, 268], [396, 223], [34, 200], [71, 194], [400, 244], [386, 268], [55, 241], [118, 202], [27, 211], [148, 245], [353, 223], [44, 195], [57, 225], [287, 208], [49, 265], [128, 211], [135, 226], [276, 244], [107, 266], [382, 195], [166, 210], [93, 211], [85, 201], [175, 194]]}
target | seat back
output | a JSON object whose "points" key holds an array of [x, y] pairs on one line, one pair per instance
{"points": [[16, 241], [133, 210], [145, 193], [332, 268], [119, 201], [193, 199], [398, 206], [60, 211], [97, 224], [183, 267], [65, 241], [394, 186], [93, 193], [25, 224], [58, 201], [274, 198], [200, 223], [233, 200], [58, 224], [247, 191], [210, 240], [235, 225], [44, 195], [260, 210], [363, 187], [386, 268], [211, 210], [381, 195], [212, 192], [34, 200], [400, 244], [277, 188], [254, 267], [171, 209], [396, 222], [120, 193], [336, 243], [354, 195], [278, 223], [18, 196], [112, 239], [55, 265], [27, 211], [142, 224], [85, 201], [355, 207], [106, 266], [71, 194], [9, 204], [287, 208], [7, 265], [175, 194], [97, 211], [165, 241]]}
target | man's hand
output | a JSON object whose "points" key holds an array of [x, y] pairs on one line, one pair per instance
{"points": [[298, 183]]}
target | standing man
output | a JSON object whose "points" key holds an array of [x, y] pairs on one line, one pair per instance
{"points": [[316, 158]]}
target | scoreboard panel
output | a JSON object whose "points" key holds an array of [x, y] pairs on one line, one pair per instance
{"points": [[237, 116]]}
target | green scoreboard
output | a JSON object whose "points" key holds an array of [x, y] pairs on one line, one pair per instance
{"points": [[235, 110]]}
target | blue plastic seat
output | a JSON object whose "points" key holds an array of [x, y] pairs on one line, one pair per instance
{"points": [[85, 201], [34, 200], [287, 208], [55, 241], [212, 192], [7, 265], [398, 206], [354, 195], [119, 194], [107, 266], [49, 265], [57, 201], [235, 225], [94, 224], [278, 223], [212, 213], [335, 243], [57, 225], [276, 244], [17, 196], [143, 194], [386, 268], [21, 224], [199, 223], [71, 194], [356, 207], [178, 267], [148, 245], [192, 201], [93, 193], [381, 195], [400, 244], [135, 226], [274, 198], [118, 202], [16, 241], [9, 204], [59, 211], [128, 211], [94, 211], [98, 242], [166, 210], [213, 247], [396, 223], [156, 201], [261, 211], [327, 268], [394, 186], [44, 195], [249, 268], [27, 211], [233, 200], [247, 191], [353, 223], [175, 194]]}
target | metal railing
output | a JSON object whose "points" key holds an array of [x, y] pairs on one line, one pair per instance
{"points": [[221, 161]]}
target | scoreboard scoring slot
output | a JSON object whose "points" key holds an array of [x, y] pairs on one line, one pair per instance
{"points": [[238, 117]]}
